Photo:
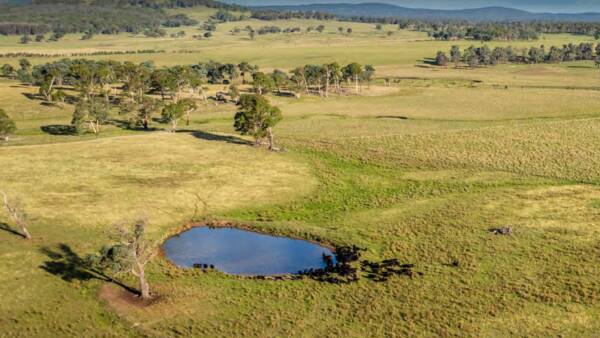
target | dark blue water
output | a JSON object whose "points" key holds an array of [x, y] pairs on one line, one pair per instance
{"points": [[240, 252]]}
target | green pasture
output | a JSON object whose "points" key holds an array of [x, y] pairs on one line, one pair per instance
{"points": [[419, 170]]}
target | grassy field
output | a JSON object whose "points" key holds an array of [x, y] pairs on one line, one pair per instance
{"points": [[420, 171]]}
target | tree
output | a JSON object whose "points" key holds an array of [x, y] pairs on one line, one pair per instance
{"points": [[256, 117], [25, 65], [341, 29], [245, 68], [378, 26], [59, 96], [174, 112], [280, 79], [597, 61], [8, 71], [455, 55], [441, 59], [25, 39], [333, 75], [91, 113], [262, 83], [349, 31], [141, 111], [131, 253], [15, 211], [7, 126], [367, 74], [353, 71], [234, 92], [320, 28]]}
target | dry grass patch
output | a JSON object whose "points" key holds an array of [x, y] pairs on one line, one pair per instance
{"points": [[96, 183]]}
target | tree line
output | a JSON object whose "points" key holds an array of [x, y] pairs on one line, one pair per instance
{"points": [[321, 80], [81, 18], [484, 55], [142, 91], [451, 29]]}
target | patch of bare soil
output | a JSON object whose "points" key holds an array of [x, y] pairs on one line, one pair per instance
{"points": [[120, 300]]}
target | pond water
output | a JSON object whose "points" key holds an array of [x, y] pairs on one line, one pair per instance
{"points": [[241, 252]]}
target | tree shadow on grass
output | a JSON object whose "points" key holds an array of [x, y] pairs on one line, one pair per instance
{"points": [[203, 135], [58, 129], [7, 228], [69, 266]]}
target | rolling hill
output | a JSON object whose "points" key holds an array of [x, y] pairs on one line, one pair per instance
{"points": [[477, 14]]}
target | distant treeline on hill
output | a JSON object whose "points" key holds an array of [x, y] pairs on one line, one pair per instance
{"points": [[97, 16], [475, 56], [451, 29], [143, 3]]}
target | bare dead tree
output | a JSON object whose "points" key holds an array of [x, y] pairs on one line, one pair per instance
{"points": [[15, 211]]}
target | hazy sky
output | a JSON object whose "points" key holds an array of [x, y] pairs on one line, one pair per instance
{"points": [[532, 5]]}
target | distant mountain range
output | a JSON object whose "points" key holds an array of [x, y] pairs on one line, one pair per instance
{"points": [[477, 14]]}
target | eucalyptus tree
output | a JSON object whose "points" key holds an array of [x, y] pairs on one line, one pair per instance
{"points": [[314, 75], [92, 113], [262, 83], [257, 117], [280, 78], [49, 75], [84, 73], [441, 59], [299, 79], [333, 73], [245, 68], [7, 126], [367, 74], [141, 111], [135, 79], [174, 112], [8, 71], [107, 76], [352, 72], [130, 254], [455, 55]]}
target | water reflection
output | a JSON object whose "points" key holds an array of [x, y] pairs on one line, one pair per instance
{"points": [[241, 252]]}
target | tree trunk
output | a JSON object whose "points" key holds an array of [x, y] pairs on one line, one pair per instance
{"points": [[327, 85], [271, 140], [144, 287], [24, 230], [356, 83]]}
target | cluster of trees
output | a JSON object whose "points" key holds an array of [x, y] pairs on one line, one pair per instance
{"points": [[275, 30], [314, 79], [484, 31], [474, 56], [96, 83], [227, 16]]}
